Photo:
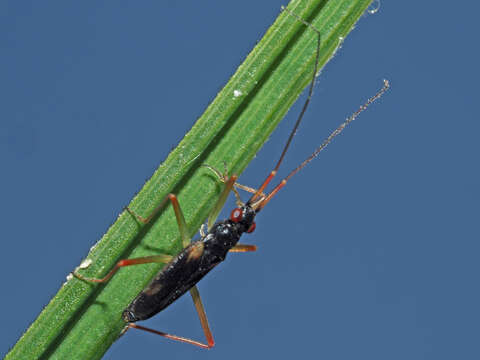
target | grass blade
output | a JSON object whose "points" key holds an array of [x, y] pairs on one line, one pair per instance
{"points": [[83, 320]]}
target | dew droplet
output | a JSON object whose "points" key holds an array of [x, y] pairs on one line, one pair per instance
{"points": [[85, 264], [373, 7]]}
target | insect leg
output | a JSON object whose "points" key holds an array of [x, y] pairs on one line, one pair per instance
{"points": [[149, 217], [182, 225], [229, 182], [163, 258], [168, 336], [243, 248], [197, 301], [203, 320], [224, 177]]}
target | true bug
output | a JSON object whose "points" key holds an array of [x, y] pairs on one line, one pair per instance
{"points": [[182, 272]]}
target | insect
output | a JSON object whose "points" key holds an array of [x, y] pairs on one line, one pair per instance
{"points": [[183, 271]]}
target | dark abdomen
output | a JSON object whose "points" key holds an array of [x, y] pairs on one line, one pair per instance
{"points": [[176, 278]]}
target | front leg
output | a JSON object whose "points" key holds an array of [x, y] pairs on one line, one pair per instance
{"points": [[243, 248]]}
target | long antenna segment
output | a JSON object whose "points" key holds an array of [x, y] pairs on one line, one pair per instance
{"points": [[258, 199]]}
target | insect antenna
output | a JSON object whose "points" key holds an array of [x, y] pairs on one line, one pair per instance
{"points": [[260, 190], [317, 151], [258, 199]]}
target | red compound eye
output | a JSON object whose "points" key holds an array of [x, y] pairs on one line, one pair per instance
{"points": [[252, 227], [236, 215]]}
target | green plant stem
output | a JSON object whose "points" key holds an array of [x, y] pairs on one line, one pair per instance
{"points": [[83, 320]]}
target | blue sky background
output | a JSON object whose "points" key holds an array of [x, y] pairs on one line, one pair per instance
{"points": [[384, 224]]}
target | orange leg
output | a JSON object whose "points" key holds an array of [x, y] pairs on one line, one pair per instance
{"points": [[182, 224], [162, 258], [128, 262], [243, 248], [224, 178], [203, 321], [221, 201], [153, 213]]}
